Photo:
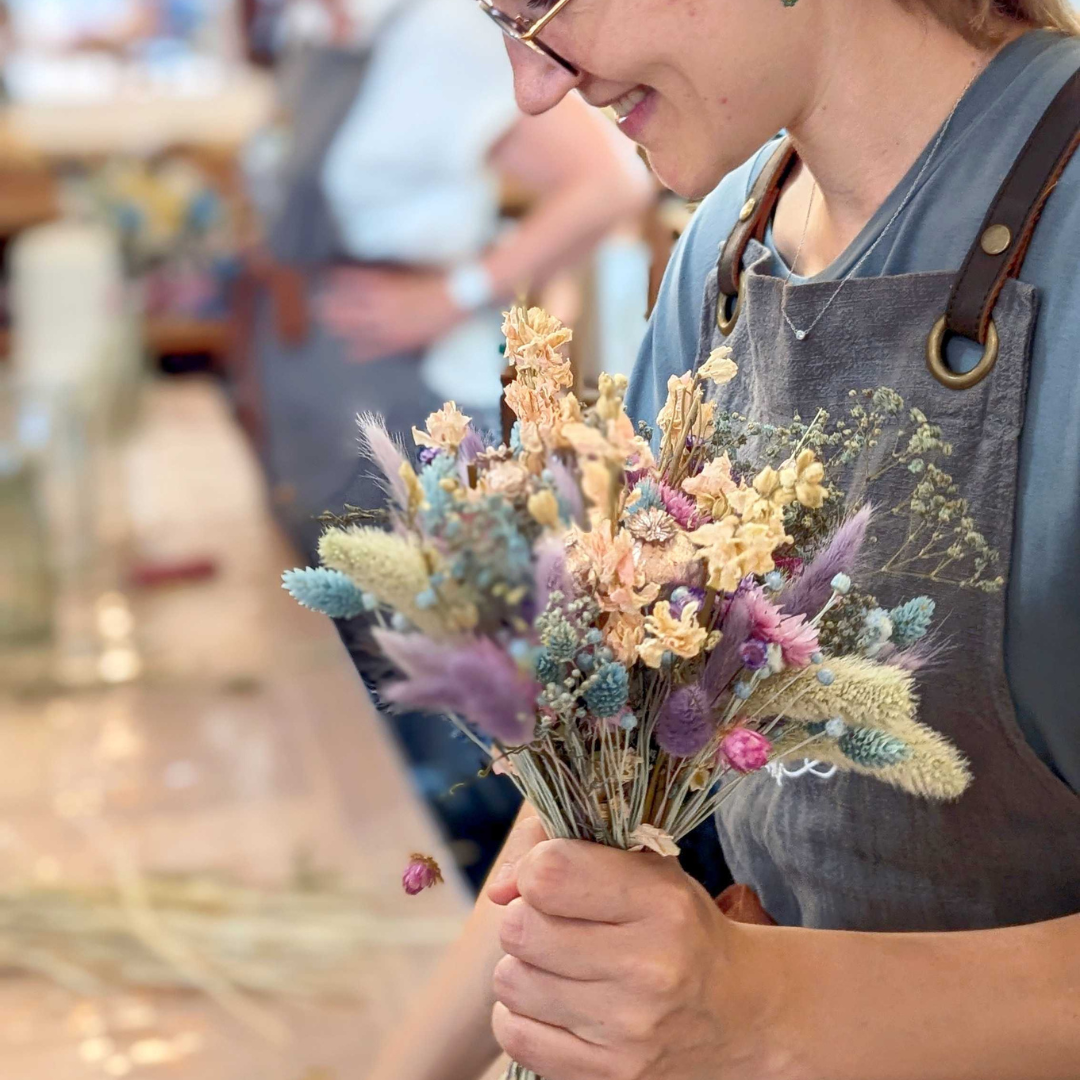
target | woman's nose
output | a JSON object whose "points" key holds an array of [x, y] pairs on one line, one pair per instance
{"points": [[539, 84]]}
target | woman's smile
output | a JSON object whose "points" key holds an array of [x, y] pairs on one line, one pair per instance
{"points": [[633, 110]]}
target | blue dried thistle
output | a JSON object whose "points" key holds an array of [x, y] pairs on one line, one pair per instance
{"points": [[873, 748], [327, 591], [607, 691], [911, 621], [561, 640]]}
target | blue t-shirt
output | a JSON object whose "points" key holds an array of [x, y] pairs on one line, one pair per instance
{"points": [[934, 233]]}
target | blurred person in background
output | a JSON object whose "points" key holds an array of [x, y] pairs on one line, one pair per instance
{"points": [[404, 313], [404, 133]]}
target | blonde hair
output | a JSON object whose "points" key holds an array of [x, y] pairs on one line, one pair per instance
{"points": [[988, 22]]}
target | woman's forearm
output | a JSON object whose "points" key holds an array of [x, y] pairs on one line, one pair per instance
{"points": [[585, 184], [446, 1034], [973, 1005]]}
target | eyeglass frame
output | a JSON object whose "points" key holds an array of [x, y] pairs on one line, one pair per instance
{"points": [[517, 28]]}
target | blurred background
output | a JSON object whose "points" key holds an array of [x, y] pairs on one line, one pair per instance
{"points": [[227, 226]]}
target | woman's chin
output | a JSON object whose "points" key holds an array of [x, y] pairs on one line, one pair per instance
{"points": [[682, 174]]}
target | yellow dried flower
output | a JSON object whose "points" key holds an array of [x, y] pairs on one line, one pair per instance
{"points": [[719, 368], [684, 636], [544, 508], [612, 390], [413, 490], [445, 429], [803, 477], [649, 837], [732, 548]]}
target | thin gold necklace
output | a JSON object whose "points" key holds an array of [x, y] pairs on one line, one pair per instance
{"points": [[802, 334]]}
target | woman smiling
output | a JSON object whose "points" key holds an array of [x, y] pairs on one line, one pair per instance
{"points": [[914, 228]]}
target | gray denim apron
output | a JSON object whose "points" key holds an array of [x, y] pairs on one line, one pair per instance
{"points": [[843, 851]]}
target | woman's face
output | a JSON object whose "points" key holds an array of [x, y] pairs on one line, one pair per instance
{"points": [[699, 84]]}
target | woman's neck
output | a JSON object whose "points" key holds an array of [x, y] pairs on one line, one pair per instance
{"points": [[884, 89]]}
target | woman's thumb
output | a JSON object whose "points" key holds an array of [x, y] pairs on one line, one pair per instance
{"points": [[501, 886]]}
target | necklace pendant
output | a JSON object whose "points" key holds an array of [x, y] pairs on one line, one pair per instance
{"points": [[800, 335]]}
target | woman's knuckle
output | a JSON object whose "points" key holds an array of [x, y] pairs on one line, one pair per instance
{"points": [[512, 928], [543, 873], [504, 980], [512, 1034]]}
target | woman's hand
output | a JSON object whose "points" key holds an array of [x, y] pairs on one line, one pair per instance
{"points": [[620, 966], [382, 313]]}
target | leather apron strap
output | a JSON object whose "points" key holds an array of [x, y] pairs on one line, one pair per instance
{"points": [[1005, 236], [753, 221], [997, 254]]}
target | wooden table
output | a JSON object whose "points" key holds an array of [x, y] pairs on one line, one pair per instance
{"points": [[248, 738]]}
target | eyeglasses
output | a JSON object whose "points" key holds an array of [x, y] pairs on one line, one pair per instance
{"points": [[521, 27]]}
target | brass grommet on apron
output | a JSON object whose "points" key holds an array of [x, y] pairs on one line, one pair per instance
{"points": [[725, 323], [935, 359]]}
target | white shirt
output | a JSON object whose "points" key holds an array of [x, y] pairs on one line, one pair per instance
{"points": [[407, 177]]}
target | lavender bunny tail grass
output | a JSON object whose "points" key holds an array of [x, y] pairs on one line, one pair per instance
{"points": [[384, 451], [808, 593]]}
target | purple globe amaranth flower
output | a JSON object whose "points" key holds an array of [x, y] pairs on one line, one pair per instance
{"points": [[422, 873], [685, 724], [745, 750], [754, 654], [428, 454]]}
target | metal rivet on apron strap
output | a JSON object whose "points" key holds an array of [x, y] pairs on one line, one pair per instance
{"points": [[996, 239], [748, 208], [1013, 215]]}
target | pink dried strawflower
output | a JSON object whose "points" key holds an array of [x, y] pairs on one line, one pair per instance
{"points": [[745, 750], [797, 638], [422, 873]]}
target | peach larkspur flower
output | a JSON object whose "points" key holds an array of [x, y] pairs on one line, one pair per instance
{"points": [[624, 632], [532, 406], [607, 566], [533, 341], [445, 429], [711, 487], [508, 478], [804, 476], [719, 368], [683, 636]]}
